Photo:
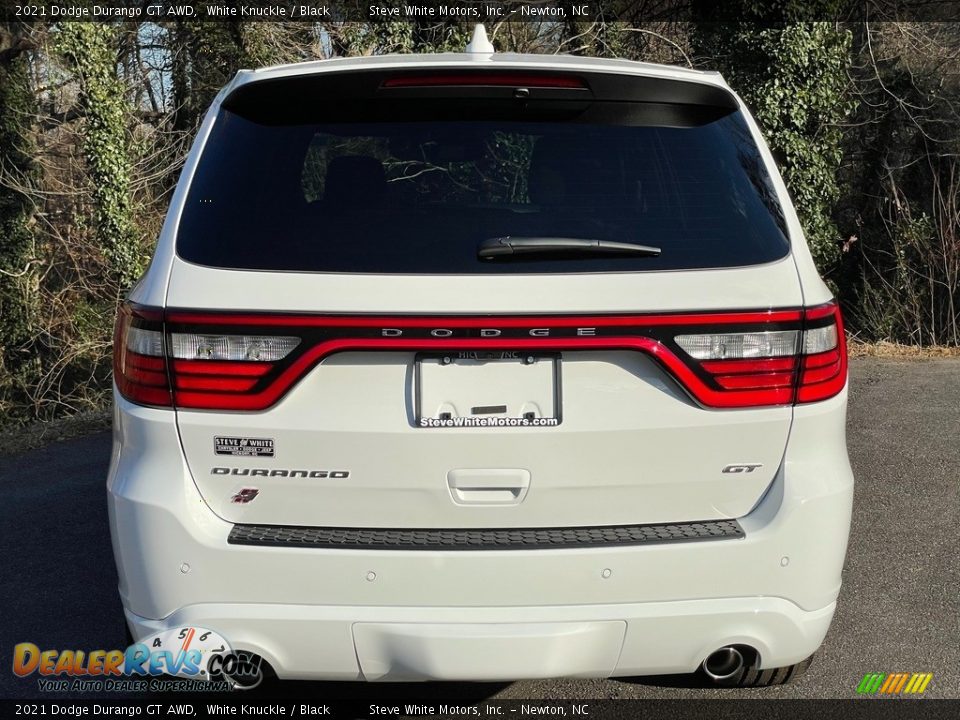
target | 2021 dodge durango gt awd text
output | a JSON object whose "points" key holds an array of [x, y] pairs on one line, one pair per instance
{"points": [[482, 366]]}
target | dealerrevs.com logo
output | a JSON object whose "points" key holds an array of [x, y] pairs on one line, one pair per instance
{"points": [[184, 658]]}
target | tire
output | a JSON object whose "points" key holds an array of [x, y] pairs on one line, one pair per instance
{"points": [[752, 676]]}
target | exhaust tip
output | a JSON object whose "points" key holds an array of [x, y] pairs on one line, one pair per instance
{"points": [[723, 664]]}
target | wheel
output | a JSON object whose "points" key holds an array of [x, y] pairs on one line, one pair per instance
{"points": [[749, 675]]}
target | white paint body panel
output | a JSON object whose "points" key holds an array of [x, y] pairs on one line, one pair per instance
{"points": [[446, 651], [632, 448], [297, 608], [759, 287]]}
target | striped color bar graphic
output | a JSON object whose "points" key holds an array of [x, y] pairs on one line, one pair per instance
{"points": [[894, 683]]}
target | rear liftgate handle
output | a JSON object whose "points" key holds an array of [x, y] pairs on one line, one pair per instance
{"points": [[488, 486]]}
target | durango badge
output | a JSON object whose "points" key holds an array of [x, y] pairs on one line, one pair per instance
{"points": [[280, 472]]}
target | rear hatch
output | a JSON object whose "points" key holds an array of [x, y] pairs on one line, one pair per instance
{"points": [[346, 354]]}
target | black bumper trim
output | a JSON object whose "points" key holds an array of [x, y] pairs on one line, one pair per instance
{"points": [[481, 538]]}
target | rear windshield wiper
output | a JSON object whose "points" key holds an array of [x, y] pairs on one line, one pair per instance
{"points": [[512, 246]]}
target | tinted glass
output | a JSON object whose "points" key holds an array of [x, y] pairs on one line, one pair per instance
{"points": [[419, 196]]}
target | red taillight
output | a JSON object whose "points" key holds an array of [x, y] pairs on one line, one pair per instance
{"points": [[139, 363], [485, 79], [209, 371], [248, 362], [801, 363], [824, 370], [226, 370]]}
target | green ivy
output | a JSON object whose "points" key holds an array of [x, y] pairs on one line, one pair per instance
{"points": [[89, 50], [794, 77]]}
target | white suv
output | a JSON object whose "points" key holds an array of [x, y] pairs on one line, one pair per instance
{"points": [[483, 366]]}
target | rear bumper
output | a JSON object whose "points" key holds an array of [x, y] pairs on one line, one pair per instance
{"points": [[395, 614], [494, 644]]}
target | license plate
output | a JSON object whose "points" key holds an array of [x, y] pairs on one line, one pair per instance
{"points": [[487, 389]]}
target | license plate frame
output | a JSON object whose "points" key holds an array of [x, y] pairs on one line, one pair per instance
{"points": [[543, 361]]}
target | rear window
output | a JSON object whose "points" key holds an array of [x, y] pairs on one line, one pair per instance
{"points": [[387, 185]]}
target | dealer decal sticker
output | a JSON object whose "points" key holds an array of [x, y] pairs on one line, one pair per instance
{"points": [[243, 446]]}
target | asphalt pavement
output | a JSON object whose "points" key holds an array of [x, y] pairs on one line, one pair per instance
{"points": [[899, 610]]}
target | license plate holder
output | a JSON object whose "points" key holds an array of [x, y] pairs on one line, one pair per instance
{"points": [[483, 388]]}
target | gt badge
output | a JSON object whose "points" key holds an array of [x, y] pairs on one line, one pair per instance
{"points": [[745, 468]]}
